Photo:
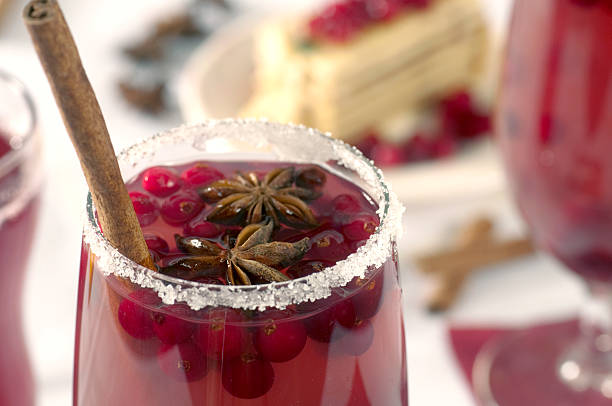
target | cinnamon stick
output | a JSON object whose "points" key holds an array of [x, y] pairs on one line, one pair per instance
{"points": [[86, 127], [476, 256], [450, 281]]}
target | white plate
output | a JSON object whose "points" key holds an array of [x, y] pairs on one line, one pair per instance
{"points": [[217, 80]]}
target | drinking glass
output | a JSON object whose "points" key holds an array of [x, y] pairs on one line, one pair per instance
{"points": [[19, 187], [554, 128], [337, 366]]}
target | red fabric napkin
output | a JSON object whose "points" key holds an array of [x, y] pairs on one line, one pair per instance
{"points": [[537, 382]]}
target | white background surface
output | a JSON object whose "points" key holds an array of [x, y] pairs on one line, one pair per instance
{"points": [[524, 291]]}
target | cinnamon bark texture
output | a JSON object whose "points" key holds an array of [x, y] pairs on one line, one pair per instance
{"points": [[85, 125]]}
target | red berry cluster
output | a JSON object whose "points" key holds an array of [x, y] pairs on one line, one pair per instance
{"points": [[459, 121], [244, 346], [342, 20]]}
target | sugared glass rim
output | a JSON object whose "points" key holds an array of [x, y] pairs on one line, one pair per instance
{"points": [[374, 253]]}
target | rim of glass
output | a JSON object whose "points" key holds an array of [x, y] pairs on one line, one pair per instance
{"points": [[20, 141], [374, 253]]}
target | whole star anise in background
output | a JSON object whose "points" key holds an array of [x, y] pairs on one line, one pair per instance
{"points": [[253, 254], [247, 200]]}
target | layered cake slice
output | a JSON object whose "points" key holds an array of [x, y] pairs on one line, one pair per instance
{"points": [[361, 64]]}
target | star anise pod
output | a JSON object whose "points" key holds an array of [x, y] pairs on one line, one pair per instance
{"points": [[253, 254], [246, 199]]}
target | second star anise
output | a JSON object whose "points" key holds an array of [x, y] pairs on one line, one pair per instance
{"points": [[246, 199], [253, 254]]}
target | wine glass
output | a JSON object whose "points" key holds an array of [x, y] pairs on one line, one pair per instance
{"points": [[145, 337], [19, 201], [554, 128]]}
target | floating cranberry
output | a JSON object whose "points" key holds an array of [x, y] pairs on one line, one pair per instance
{"points": [[209, 280], [280, 341], [201, 228], [183, 362], [181, 208], [323, 326], [171, 329], [201, 175], [136, 319], [218, 337], [367, 301], [160, 181], [146, 210], [346, 204], [156, 244], [311, 178], [328, 245], [247, 377], [306, 268], [358, 339], [344, 313], [361, 228]]}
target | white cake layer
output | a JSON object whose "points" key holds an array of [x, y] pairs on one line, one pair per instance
{"points": [[387, 69]]}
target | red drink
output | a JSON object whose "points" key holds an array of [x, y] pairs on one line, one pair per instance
{"points": [[554, 125], [343, 349], [19, 183], [555, 128]]}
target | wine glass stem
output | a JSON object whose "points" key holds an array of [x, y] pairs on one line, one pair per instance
{"points": [[587, 364]]}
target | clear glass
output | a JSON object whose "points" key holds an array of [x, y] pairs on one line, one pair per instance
{"points": [[337, 366], [554, 127], [19, 191]]}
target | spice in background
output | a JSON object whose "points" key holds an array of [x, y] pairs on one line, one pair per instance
{"points": [[157, 57], [475, 249]]}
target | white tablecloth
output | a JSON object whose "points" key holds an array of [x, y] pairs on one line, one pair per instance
{"points": [[524, 291]]}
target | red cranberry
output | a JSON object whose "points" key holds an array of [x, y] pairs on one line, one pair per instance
{"points": [[311, 178], [280, 341], [201, 175], [368, 300], [160, 181], [443, 146], [305, 268], [136, 319], [247, 377], [181, 208], [388, 154], [156, 244], [328, 246], [218, 337], [367, 143], [361, 227], [209, 280], [417, 148], [171, 329], [346, 204], [201, 228], [358, 339], [382, 9], [344, 313], [323, 326], [146, 210], [183, 362]]}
